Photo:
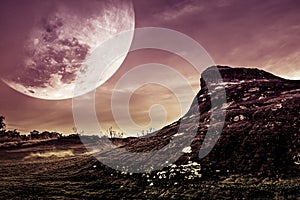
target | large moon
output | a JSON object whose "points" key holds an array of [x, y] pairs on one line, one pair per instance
{"points": [[59, 42]]}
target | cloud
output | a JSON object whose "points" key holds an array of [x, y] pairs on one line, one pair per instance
{"points": [[179, 10]]}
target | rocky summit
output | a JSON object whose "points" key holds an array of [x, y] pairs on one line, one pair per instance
{"points": [[259, 133]]}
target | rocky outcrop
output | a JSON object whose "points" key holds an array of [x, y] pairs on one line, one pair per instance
{"points": [[261, 129]]}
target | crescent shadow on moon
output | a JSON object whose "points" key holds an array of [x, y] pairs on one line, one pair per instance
{"points": [[59, 43]]}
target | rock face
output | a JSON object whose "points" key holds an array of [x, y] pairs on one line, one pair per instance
{"points": [[261, 129]]}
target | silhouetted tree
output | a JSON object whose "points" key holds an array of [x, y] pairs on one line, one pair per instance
{"points": [[110, 131], [15, 133], [34, 134], [75, 129], [45, 135], [57, 135], [2, 124]]}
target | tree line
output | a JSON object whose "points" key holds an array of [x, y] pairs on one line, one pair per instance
{"points": [[11, 135], [15, 135]]}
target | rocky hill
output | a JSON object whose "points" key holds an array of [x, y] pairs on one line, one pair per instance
{"points": [[261, 129]]}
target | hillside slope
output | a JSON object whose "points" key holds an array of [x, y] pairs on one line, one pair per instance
{"points": [[261, 128]]}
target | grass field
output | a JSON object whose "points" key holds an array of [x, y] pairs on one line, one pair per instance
{"points": [[64, 170]]}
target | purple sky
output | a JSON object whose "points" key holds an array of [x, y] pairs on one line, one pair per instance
{"points": [[262, 34]]}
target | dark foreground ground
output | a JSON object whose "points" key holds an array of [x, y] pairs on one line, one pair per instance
{"points": [[55, 171]]}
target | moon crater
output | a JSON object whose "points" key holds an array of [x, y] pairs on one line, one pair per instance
{"points": [[58, 44]]}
